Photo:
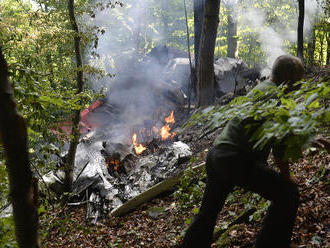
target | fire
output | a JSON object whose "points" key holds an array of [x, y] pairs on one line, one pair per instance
{"points": [[138, 147], [165, 130], [113, 163], [170, 119]]}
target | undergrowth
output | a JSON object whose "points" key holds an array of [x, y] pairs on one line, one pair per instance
{"points": [[293, 117]]}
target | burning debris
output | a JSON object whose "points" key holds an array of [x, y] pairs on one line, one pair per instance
{"points": [[130, 144], [138, 147], [165, 130], [109, 173], [128, 176], [163, 133]]}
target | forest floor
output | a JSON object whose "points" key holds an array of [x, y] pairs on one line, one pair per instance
{"points": [[67, 226]]}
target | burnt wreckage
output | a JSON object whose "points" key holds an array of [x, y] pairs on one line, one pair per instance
{"points": [[129, 139]]}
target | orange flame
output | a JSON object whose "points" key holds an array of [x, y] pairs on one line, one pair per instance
{"points": [[170, 118], [138, 147], [165, 130], [115, 163]]}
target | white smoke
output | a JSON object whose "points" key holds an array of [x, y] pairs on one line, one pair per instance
{"points": [[312, 13], [130, 32], [274, 37]]}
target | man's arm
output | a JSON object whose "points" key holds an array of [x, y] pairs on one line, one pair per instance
{"points": [[283, 165], [280, 161]]}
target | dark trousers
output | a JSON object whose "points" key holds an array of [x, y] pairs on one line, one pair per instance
{"points": [[228, 169]]}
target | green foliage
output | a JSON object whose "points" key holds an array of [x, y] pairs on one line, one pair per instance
{"points": [[38, 46], [191, 188], [4, 191], [7, 233], [293, 118]]}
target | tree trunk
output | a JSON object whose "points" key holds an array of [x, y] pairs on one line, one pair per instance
{"points": [[311, 48], [166, 30], [68, 180], [23, 187], [231, 32], [198, 23], [328, 49], [300, 51], [321, 51], [205, 71], [137, 32]]}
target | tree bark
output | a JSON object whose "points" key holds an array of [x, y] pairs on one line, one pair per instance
{"points": [[231, 32], [198, 23], [328, 48], [137, 32], [205, 71], [68, 180], [300, 51], [321, 46], [22, 185]]}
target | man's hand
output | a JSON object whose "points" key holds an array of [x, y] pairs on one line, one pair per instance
{"points": [[284, 168], [321, 142]]}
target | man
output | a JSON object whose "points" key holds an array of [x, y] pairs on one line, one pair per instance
{"points": [[234, 162]]}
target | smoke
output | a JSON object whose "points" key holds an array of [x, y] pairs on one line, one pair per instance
{"points": [[135, 93], [273, 31], [127, 28], [312, 12], [132, 30]]}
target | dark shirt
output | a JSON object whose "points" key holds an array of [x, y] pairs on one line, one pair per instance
{"points": [[235, 137]]}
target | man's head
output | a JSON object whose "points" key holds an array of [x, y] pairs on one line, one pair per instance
{"points": [[287, 69]]}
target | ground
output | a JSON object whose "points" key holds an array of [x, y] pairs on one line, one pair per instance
{"points": [[67, 227]]}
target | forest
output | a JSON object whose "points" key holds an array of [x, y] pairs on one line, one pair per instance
{"points": [[112, 112]]}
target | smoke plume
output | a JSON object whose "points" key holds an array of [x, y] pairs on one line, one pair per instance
{"points": [[274, 34]]}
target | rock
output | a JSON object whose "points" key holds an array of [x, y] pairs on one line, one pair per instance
{"points": [[228, 73], [178, 70], [162, 54]]}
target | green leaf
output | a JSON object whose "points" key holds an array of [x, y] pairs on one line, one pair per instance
{"points": [[288, 103]]}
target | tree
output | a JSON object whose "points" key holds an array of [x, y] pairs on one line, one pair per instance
{"points": [[300, 51], [231, 31], [198, 23], [165, 9], [328, 48], [311, 48], [68, 180], [205, 71], [23, 187]]}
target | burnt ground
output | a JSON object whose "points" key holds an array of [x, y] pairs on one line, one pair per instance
{"points": [[67, 226]]}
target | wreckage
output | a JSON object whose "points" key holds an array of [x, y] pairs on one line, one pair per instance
{"points": [[130, 150]]}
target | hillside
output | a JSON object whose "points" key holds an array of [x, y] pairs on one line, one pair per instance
{"points": [[162, 221]]}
